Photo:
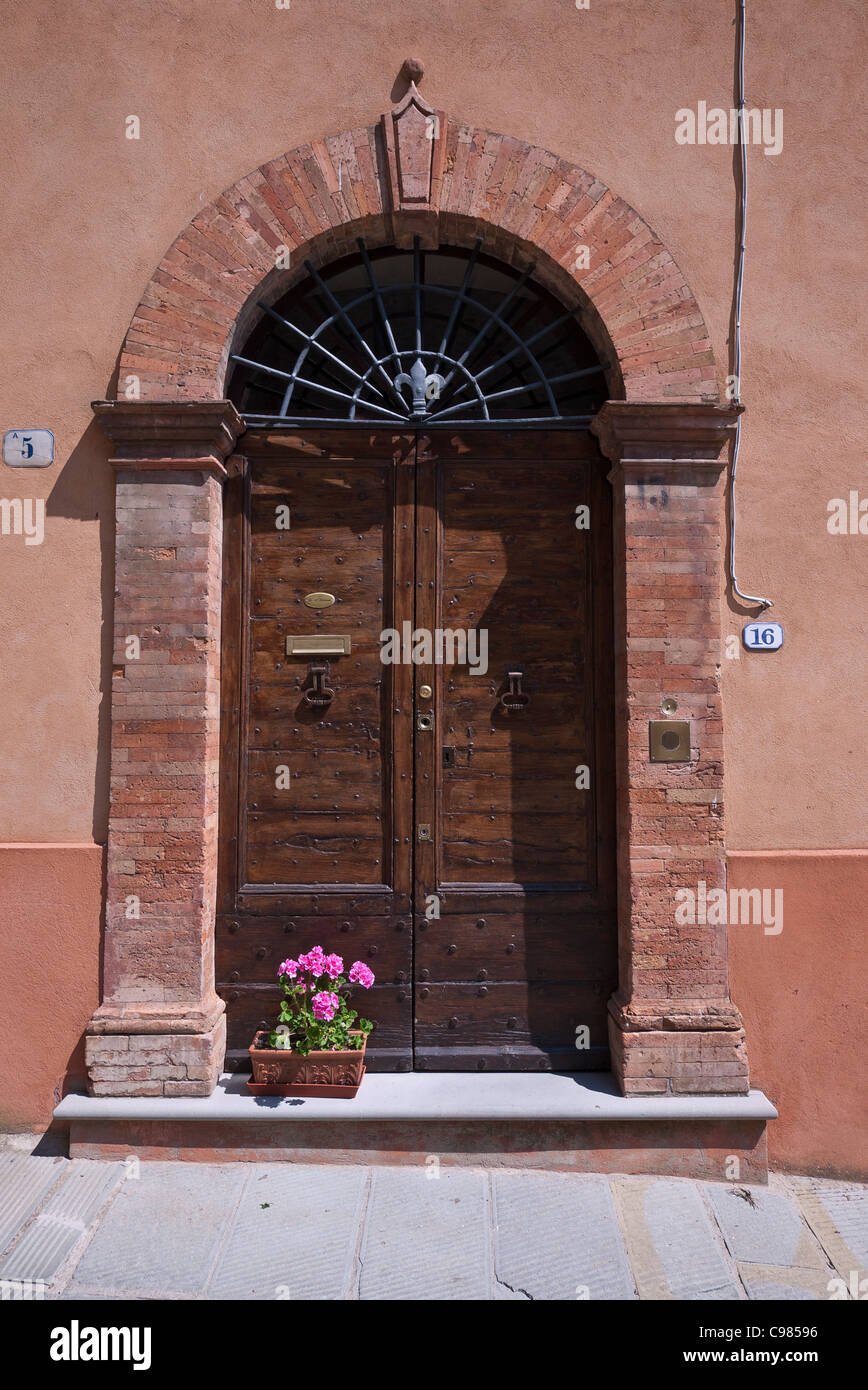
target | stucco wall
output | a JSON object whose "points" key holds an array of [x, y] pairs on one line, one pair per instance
{"points": [[219, 88], [802, 995], [50, 907]]}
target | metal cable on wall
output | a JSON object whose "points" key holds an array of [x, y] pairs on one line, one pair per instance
{"points": [[764, 603]]}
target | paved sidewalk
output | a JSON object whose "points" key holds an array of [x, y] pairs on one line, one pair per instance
{"points": [[89, 1230]]}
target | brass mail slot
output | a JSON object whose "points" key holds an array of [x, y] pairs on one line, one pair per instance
{"points": [[318, 644]]}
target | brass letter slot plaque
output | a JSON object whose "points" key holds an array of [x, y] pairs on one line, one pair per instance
{"points": [[318, 644]]}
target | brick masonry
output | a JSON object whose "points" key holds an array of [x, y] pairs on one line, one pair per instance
{"points": [[672, 1027], [160, 1027], [314, 201], [675, 1148]]}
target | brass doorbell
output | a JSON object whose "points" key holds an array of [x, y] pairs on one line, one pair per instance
{"points": [[669, 740]]}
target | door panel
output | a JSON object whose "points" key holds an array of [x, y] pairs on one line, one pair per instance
{"points": [[309, 839], [519, 863], [321, 802], [521, 944], [460, 860]]}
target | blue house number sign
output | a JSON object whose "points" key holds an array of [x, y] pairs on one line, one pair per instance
{"points": [[763, 637], [28, 448]]}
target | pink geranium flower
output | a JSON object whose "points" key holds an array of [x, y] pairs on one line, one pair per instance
{"points": [[313, 962], [306, 1005], [361, 974], [325, 1005]]}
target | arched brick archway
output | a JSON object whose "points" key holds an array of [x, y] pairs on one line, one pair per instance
{"points": [[527, 204], [160, 1029]]}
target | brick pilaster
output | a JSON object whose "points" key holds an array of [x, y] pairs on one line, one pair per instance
{"points": [[160, 1029], [673, 1027]]}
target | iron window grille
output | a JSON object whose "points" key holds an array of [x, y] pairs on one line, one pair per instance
{"points": [[412, 338]]}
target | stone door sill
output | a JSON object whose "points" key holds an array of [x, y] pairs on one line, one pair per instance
{"points": [[429, 1096]]}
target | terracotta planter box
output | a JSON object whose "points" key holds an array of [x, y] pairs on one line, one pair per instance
{"points": [[334, 1075]]}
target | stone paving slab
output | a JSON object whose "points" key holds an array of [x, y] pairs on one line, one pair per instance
{"points": [[763, 1226], [288, 1232], [847, 1209], [427, 1237], [769, 1282], [24, 1183], [674, 1247], [556, 1237], [73, 1205], [837, 1213], [163, 1232], [294, 1235]]}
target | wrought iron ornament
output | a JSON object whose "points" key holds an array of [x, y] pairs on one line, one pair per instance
{"points": [[412, 337]]}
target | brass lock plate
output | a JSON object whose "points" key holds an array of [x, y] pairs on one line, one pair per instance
{"points": [[669, 740], [425, 722], [423, 832]]}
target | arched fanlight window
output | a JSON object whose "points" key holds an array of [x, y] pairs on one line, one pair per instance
{"points": [[417, 337]]}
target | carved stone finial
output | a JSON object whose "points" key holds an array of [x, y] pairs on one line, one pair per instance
{"points": [[413, 70]]}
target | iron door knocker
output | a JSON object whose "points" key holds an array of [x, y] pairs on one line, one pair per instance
{"points": [[318, 694], [514, 698]]}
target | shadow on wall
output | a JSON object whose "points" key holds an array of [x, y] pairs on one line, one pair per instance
{"points": [[84, 491]]}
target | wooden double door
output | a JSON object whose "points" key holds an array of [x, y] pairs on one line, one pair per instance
{"points": [[417, 730]]}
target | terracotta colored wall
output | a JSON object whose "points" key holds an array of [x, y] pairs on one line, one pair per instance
{"points": [[802, 994], [50, 908], [221, 87]]}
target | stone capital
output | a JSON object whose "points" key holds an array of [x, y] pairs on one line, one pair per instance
{"points": [[165, 436], [656, 440]]}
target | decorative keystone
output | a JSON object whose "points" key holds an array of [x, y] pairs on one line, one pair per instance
{"points": [[415, 140]]}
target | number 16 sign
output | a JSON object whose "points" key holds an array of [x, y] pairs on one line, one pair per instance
{"points": [[763, 637]]}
